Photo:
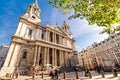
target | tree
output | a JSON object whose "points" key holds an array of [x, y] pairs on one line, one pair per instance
{"points": [[104, 13]]}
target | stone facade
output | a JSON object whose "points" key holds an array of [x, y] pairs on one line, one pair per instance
{"points": [[3, 53], [106, 53], [35, 45]]}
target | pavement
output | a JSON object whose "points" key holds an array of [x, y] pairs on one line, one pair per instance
{"points": [[69, 76]]}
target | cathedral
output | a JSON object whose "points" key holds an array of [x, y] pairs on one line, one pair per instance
{"points": [[36, 45]]}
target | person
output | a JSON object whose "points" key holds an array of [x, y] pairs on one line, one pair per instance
{"points": [[114, 71], [98, 69], [52, 73], [50, 70], [57, 73], [34, 71], [86, 71], [76, 68]]}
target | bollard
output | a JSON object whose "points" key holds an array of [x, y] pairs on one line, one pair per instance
{"points": [[114, 71], [10, 75], [77, 77], [102, 73], [6, 74], [89, 74], [42, 75], [13, 75], [64, 75], [33, 76], [17, 75], [115, 74]]}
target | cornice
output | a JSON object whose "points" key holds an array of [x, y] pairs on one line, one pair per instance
{"points": [[22, 19], [48, 28], [18, 39]]}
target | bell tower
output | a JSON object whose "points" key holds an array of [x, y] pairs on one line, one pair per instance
{"points": [[66, 28], [21, 52], [33, 13]]}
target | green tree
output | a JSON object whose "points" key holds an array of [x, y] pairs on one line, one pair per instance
{"points": [[104, 13]]}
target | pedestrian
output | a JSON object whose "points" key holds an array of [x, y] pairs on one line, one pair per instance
{"points": [[52, 73], [86, 71], [98, 69], [34, 71], [49, 70], [114, 71], [57, 73], [76, 68]]}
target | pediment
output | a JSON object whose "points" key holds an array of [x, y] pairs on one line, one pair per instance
{"points": [[59, 30]]}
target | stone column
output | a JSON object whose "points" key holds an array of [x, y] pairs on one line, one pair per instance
{"points": [[53, 57], [19, 28], [46, 35], [49, 36], [96, 56], [61, 57], [116, 57], [14, 56], [55, 37], [40, 33], [9, 55], [38, 55], [66, 58], [47, 55], [59, 40], [37, 35], [90, 61], [25, 32], [35, 55]]}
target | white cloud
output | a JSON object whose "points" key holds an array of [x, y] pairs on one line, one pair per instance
{"points": [[54, 16]]}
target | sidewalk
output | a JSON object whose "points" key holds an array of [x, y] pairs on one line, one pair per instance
{"points": [[69, 76]]}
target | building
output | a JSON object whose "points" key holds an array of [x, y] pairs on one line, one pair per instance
{"points": [[35, 45], [3, 53], [106, 53]]}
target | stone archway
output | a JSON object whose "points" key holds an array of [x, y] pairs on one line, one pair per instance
{"points": [[23, 58], [25, 61], [26, 58]]}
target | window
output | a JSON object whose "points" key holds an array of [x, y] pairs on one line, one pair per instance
{"points": [[51, 37], [30, 32], [33, 17], [24, 56], [112, 36], [42, 35]]}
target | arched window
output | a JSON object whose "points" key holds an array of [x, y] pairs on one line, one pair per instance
{"points": [[24, 56]]}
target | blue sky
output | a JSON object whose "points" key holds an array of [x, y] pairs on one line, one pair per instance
{"points": [[11, 10]]}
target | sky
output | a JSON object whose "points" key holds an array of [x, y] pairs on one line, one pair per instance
{"points": [[11, 10]]}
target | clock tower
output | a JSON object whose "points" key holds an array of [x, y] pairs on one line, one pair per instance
{"points": [[22, 47], [33, 13]]}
